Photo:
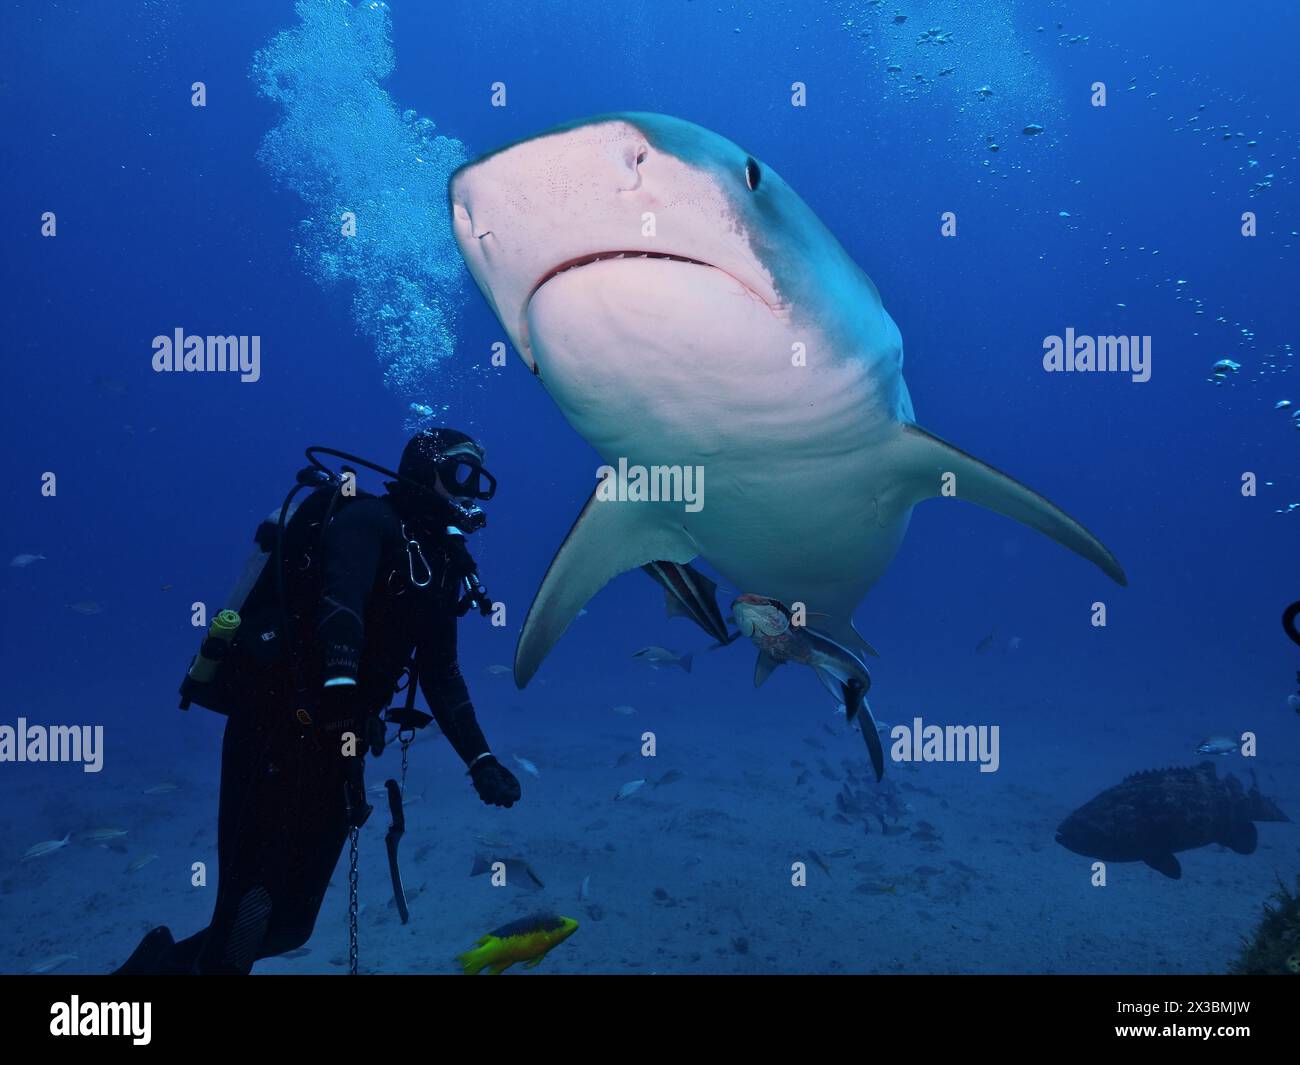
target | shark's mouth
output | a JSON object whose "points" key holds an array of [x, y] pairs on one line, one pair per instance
{"points": [[597, 257], [609, 256]]}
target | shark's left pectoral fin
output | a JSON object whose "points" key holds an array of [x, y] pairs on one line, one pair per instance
{"points": [[610, 537], [925, 463]]}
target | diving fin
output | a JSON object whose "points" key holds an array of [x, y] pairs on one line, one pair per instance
{"points": [[150, 957], [924, 461], [610, 537]]}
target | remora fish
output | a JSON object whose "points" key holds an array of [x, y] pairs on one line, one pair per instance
{"points": [[690, 594], [1155, 813], [672, 351], [768, 623]]}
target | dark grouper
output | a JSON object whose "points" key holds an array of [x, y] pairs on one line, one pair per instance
{"points": [[1155, 813]]}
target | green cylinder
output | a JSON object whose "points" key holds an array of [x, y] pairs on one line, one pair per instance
{"points": [[220, 635]]}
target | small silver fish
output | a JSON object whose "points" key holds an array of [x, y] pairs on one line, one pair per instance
{"points": [[52, 845], [86, 607], [518, 871], [1218, 744], [50, 964], [165, 788], [526, 766], [625, 711], [584, 889], [662, 658], [141, 862], [101, 835], [498, 670], [26, 560], [630, 788], [671, 777], [821, 862]]}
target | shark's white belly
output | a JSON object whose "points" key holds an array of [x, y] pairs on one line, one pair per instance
{"points": [[666, 363]]}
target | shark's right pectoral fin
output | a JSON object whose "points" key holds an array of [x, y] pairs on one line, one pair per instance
{"points": [[928, 465], [610, 537]]}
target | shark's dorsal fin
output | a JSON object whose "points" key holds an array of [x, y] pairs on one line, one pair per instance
{"points": [[610, 537], [924, 461]]}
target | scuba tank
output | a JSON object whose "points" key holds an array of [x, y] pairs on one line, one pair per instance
{"points": [[220, 635], [256, 626], [257, 633]]}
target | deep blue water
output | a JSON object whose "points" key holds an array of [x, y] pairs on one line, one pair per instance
{"points": [[1123, 219]]}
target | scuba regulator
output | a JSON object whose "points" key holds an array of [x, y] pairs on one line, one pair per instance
{"points": [[467, 517]]}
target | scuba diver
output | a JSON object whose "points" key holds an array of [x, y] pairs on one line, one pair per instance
{"points": [[361, 593]]}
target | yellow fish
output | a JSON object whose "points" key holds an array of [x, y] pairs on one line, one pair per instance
{"points": [[527, 940]]}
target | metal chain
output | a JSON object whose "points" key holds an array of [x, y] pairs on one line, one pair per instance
{"points": [[352, 904]]}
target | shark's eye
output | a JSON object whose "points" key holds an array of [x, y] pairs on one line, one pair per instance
{"points": [[752, 173]]}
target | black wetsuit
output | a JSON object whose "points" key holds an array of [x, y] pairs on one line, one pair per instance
{"points": [[387, 591]]}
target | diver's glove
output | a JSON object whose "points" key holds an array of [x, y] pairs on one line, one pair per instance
{"points": [[495, 784]]}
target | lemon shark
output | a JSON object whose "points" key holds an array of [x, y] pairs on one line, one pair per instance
{"points": [[686, 309]]}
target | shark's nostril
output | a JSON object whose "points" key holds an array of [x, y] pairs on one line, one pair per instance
{"points": [[463, 216], [633, 156]]}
